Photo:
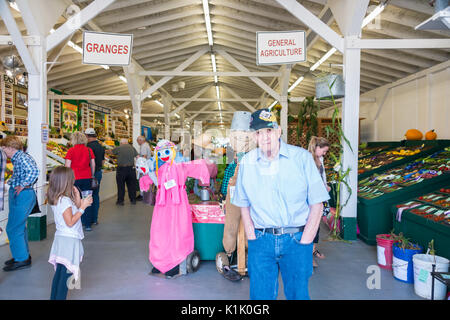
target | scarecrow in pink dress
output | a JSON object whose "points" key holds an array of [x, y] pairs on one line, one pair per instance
{"points": [[171, 232]]}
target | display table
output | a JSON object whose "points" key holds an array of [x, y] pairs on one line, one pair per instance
{"points": [[423, 221], [208, 224], [374, 215]]}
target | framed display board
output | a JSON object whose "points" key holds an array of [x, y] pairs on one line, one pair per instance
{"points": [[21, 100], [69, 118]]}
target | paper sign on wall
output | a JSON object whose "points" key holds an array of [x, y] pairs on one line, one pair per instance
{"points": [[111, 49], [284, 47]]}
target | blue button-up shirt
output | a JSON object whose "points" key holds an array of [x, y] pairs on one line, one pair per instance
{"points": [[279, 192], [25, 171]]}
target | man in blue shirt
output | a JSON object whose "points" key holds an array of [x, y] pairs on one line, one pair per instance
{"points": [[280, 192], [21, 198]]}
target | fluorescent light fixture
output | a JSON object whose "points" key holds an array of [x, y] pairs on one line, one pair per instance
{"points": [[14, 6], [219, 104], [217, 93], [213, 61], [373, 14], [104, 67], [74, 46], [123, 79], [177, 115], [207, 21], [274, 103], [322, 60], [296, 83], [159, 103]]}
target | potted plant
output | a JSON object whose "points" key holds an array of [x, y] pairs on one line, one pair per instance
{"points": [[402, 262]]}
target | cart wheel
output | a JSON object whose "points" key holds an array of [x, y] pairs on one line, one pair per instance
{"points": [[221, 261], [193, 261]]}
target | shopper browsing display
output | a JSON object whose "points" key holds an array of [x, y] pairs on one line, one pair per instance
{"points": [[99, 153], [126, 173], [21, 199], [319, 147], [82, 161], [68, 207], [280, 192]]}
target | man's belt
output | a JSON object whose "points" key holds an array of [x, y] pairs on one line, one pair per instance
{"points": [[280, 231]]}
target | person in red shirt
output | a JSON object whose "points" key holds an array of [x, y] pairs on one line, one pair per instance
{"points": [[82, 161]]}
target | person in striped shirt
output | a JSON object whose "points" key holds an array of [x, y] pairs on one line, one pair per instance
{"points": [[21, 202]]}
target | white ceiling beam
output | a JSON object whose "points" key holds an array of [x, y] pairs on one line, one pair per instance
{"points": [[164, 27], [414, 5], [40, 24], [16, 35], [181, 67], [319, 27], [164, 36], [236, 96], [399, 43], [214, 99], [76, 22], [186, 103], [174, 48], [260, 11], [161, 46], [241, 68], [87, 97], [208, 74], [28, 40], [202, 109], [145, 22], [132, 13]]}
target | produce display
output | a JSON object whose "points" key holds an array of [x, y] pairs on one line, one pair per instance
{"points": [[365, 151], [434, 206], [387, 157], [406, 175]]}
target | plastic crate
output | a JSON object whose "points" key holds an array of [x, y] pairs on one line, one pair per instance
{"points": [[208, 239]]}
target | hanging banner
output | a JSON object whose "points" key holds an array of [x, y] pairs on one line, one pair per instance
{"points": [[283, 47], [111, 49]]}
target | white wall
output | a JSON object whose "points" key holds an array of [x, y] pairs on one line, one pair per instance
{"points": [[420, 101]]}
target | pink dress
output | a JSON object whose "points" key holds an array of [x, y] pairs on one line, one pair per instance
{"points": [[171, 233]]}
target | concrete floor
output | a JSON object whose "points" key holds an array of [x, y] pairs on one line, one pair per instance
{"points": [[116, 266]]}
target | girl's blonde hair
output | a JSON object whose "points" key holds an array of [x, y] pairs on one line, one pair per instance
{"points": [[61, 183], [313, 144], [78, 138]]}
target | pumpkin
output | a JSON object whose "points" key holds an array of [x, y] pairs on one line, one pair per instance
{"points": [[413, 134], [430, 135]]}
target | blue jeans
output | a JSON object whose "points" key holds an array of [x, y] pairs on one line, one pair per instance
{"points": [[86, 218], [268, 254], [95, 197], [20, 207]]}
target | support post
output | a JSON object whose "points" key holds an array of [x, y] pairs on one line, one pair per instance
{"points": [[350, 122], [167, 102], [284, 85]]}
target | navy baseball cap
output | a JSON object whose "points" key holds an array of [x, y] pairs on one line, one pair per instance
{"points": [[263, 119]]}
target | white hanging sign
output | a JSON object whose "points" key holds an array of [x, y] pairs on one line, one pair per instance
{"points": [[283, 47], [111, 49]]}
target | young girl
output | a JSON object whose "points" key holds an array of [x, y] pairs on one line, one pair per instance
{"points": [[67, 250], [319, 147]]}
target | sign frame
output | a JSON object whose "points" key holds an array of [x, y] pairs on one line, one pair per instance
{"points": [[258, 63], [108, 33]]}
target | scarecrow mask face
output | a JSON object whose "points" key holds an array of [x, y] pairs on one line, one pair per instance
{"points": [[242, 141], [166, 154], [142, 165]]}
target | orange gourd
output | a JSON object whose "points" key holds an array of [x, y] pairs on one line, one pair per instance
{"points": [[430, 135], [413, 134]]}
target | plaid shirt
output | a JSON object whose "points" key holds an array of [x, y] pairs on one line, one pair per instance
{"points": [[25, 171], [229, 173], [2, 179]]}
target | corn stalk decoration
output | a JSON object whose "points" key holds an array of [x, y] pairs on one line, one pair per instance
{"points": [[342, 174], [307, 118]]}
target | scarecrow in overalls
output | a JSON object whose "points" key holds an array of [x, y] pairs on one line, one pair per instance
{"points": [[241, 142]]}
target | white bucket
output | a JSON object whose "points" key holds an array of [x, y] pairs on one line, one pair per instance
{"points": [[422, 275]]}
